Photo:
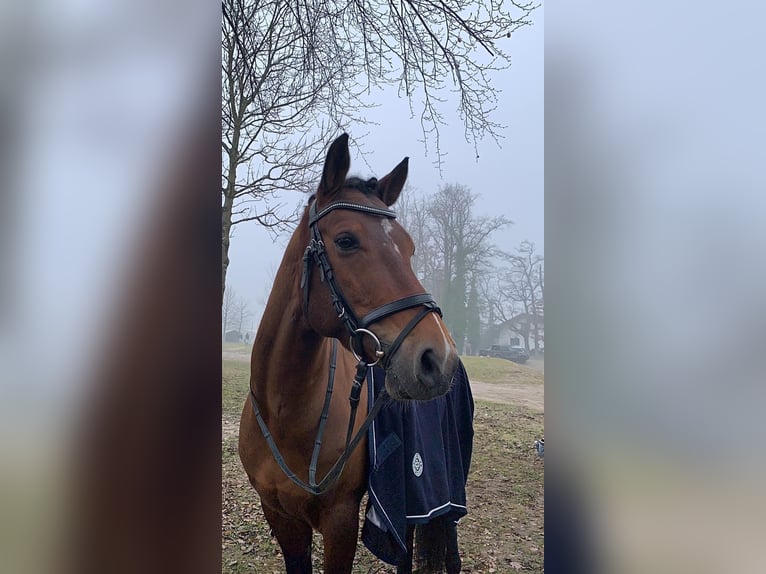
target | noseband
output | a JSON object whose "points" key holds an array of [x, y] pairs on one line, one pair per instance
{"points": [[317, 254]]}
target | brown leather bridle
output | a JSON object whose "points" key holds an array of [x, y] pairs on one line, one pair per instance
{"points": [[316, 254]]}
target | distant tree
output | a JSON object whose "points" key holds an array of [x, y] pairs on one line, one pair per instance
{"points": [[462, 242], [242, 314], [235, 312], [295, 72], [495, 307], [524, 282], [493, 286], [227, 310], [413, 214], [473, 321]]}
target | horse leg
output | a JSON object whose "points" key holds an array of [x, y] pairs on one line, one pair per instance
{"points": [[405, 565], [294, 538], [452, 561], [431, 543], [340, 530]]}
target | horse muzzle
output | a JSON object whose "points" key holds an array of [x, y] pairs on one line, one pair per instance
{"points": [[421, 371]]}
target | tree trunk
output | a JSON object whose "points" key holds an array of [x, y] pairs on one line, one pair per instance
{"points": [[225, 240], [228, 205], [473, 323], [231, 188], [457, 303]]}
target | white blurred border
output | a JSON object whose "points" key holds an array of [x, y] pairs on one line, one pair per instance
{"points": [[94, 100], [655, 315], [107, 89]]}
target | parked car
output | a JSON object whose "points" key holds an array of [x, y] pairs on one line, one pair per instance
{"points": [[515, 354]]}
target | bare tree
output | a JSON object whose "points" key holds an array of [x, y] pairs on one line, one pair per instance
{"points": [[456, 260], [497, 306], [227, 310], [235, 312], [242, 314], [413, 214], [272, 95], [524, 286], [295, 72], [473, 320], [462, 241]]}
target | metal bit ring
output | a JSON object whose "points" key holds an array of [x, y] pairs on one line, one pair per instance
{"points": [[379, 348]]}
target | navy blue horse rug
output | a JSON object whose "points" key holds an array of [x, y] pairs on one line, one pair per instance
{"points": [[420, 454]]}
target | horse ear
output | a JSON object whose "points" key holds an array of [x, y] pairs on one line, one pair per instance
{"points": [[390, 186], [336, 166]]}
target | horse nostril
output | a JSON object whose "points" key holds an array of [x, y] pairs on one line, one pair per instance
{"points": [[429, 368]]}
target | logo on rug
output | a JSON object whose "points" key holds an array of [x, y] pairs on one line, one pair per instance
{"points": [[417, 464]]}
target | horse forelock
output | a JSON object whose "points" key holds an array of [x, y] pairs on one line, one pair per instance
{"points": [[368, 186]]}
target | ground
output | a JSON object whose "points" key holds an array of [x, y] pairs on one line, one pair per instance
{"points": [[503, 531]]}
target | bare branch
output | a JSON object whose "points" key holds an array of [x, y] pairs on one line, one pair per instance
{"points": [[296, 73]]}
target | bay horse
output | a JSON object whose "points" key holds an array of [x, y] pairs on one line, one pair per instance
{"points": [[293, 428]]}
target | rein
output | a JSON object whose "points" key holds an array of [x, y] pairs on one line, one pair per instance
{"points": [[316, 254], [332, 475]]}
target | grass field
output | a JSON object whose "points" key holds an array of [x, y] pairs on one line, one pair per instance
{"points": [[492, 370], [503, 531], [244, 348], [487, 369]]}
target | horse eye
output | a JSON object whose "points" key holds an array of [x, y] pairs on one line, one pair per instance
{"points": [[346, 242]]}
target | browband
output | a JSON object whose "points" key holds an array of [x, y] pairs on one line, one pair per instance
{"points": [[314, 216]]}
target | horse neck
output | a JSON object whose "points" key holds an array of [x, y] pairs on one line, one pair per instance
{"points": [[288, 356]]}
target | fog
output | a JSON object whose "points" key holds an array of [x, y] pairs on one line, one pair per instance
{"points": [[508, 178]]}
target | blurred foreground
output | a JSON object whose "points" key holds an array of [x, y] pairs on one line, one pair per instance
{"points": [[110, 289], [654, 295]]}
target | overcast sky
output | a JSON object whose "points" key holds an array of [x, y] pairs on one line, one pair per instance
{"points": [[509, 179]]}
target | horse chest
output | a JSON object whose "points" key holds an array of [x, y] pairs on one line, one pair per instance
{"points": [[279, 493], [284, 497]]}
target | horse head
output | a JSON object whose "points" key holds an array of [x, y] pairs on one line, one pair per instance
{"points": [[364, 256]]}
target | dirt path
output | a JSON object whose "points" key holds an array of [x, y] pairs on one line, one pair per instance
{"points": [[530, 396]]}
